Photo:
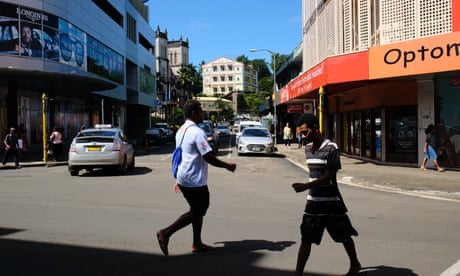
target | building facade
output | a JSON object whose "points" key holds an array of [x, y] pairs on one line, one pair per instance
{"points": [[224, 76], [69, 63], [379, 72], [171, 56]]}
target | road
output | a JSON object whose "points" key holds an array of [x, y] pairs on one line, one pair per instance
{"points": [[100, 223]]}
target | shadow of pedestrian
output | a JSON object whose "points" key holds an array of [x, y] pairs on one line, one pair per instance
{"points": [[383, 270], [252, 245]]}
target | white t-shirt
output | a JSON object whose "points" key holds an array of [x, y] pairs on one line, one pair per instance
{"points": [[193, 170]]}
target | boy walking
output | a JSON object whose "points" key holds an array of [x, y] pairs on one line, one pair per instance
{"points": [[325, 208]]}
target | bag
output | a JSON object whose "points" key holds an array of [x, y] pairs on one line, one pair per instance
{"points": [[176, 158]]}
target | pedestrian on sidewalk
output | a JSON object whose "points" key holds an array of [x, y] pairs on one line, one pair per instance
{"points": [[287, 135], [429, 148], [325, 208], [56, 143], [11, 147], [192, 177], [299, 136]]}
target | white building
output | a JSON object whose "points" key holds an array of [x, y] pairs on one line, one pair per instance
{"points": [[223, 76]]}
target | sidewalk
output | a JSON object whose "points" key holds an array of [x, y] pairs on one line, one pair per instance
{"points": [[429, 183]]}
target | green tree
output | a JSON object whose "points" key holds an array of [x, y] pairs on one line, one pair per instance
{"points": [[190, 79]]}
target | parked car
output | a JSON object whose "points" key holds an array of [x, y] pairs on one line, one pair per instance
{"points": [[167, 130], [223, 130], [155, 136], [213, 136], [255, 140], [100, 147]]}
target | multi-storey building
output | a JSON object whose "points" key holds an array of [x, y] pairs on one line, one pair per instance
{"points": [[69, 63], [379, 72], [224, 76]]}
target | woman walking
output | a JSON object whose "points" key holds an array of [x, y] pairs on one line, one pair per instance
{"points": [[429, 148]]}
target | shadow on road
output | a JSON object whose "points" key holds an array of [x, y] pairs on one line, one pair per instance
{"points": [[240, 258]]}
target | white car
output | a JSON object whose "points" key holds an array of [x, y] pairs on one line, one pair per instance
{"points": [[255, 140], [243, 125], [100, 147]]}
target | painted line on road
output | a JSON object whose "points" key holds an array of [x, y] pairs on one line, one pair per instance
{"points": [[454, 270]]}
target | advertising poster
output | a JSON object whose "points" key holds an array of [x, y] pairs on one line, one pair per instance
{"points": [[72, 45], [30, 34], [9, 29], [50, 37]]}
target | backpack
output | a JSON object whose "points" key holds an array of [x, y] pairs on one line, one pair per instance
{"points": [[176, 158]]}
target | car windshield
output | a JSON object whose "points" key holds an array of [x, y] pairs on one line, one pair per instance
{"points": [[105, 133], [205, 127], [222, 127], [255, 132]]}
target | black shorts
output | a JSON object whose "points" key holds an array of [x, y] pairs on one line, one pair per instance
{"points": [[197, 198], [338, 226]]}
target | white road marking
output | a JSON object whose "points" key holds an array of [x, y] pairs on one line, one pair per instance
{"points": [[454, 270]]}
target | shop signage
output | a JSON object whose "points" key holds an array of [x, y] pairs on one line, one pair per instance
{"points": [[295, 108], [419, 56]]}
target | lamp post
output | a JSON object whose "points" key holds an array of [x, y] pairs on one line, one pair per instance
{"points": [[275, 118]]}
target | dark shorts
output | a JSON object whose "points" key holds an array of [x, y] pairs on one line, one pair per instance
{"points": [[197, 198], [338, 226]]}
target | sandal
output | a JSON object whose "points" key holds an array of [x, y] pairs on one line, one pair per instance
{"points": [[163, 243]]}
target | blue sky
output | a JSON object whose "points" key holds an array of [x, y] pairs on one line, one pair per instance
{"points": [[230, 28]]}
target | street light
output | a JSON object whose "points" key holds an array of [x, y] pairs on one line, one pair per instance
{"points": [[275, 120]]}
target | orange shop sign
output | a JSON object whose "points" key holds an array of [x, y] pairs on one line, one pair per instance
{"points": [[420, 56]]}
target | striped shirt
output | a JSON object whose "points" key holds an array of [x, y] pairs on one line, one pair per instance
{"points": [[324, 199]]}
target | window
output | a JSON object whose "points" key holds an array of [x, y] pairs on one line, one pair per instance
{"points": [[230, 78], [131, 28], [145, 43], [222, 68], [214, 68], [230, 68], [110, 10], [222, 78]]}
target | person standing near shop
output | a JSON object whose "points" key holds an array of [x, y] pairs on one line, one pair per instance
{"points": [[429, 148], [287, 135], [325, 208], [11, 147], [192, 177], [56, 140]]}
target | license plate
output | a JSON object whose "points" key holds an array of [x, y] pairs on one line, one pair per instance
{"points": [[94, 148], [257, 149]]}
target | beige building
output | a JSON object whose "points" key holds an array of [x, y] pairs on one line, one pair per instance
{"points": [[223, 76]]}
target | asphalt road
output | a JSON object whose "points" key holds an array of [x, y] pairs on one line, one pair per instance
{"points": [[100, 223]]}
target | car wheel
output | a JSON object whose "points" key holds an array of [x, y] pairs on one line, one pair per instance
{"points": [[124, 165], [131, 166], [73, 172]]}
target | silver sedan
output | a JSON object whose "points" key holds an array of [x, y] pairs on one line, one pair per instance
{"points": [[255, 140], [100, 147]]}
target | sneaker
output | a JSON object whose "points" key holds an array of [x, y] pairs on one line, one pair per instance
{"points": [[18, 166], [441, 170]]}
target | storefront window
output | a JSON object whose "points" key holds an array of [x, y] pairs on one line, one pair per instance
{"points": [[402, 134], [448, 128]]}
